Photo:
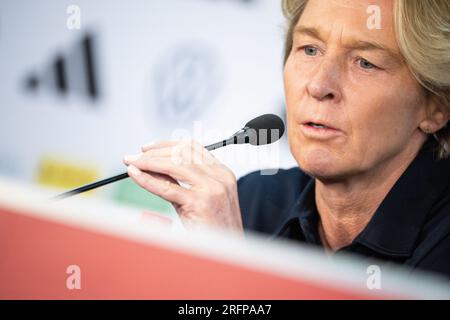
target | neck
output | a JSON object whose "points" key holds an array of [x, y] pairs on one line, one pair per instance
{"points": [[346, 206]]}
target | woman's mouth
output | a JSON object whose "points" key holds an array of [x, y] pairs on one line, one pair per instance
{"points": [[315, 125], [318, 130]]}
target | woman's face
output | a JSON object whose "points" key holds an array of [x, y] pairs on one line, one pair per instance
{"points": [[348, 78]]}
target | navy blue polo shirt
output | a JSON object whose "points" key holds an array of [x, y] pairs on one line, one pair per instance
{"points": [[411, 226]]}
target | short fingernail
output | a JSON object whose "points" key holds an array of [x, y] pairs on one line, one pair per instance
{"points": [[148, 145], [133, 170], [133, 157]]}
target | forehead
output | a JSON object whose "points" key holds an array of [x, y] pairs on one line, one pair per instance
{"points": [[362, 20]]}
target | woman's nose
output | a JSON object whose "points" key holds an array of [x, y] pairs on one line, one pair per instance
{"points": [[324, 85]]}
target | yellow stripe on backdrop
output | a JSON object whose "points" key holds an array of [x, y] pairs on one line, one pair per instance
{"points": [[58, 172]]}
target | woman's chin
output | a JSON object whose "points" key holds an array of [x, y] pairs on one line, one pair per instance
{"points": [[319, 163]]}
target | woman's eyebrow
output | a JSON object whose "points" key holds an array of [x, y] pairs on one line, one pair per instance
{"points": [[354, 44], [309, 31], [375, 46]]}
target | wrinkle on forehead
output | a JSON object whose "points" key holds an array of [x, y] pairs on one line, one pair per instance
{"points": [[348, 4], [337, 22], [360, 5]]}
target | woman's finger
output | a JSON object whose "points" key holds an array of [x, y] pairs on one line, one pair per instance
{"points": [[184, 153], [158, 144], [161, 152], [188, 148], [174, 168], [165, 188]]}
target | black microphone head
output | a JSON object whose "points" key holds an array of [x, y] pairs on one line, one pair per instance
{"points": [[266, 128]]}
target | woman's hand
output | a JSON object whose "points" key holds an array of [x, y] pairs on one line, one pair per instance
{"points": [[211, 195]]}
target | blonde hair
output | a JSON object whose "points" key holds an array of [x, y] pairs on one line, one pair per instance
{"points": [[422, 30]]}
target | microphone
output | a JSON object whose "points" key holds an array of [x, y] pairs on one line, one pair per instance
{"points": [[265, 129], [262, 130]]}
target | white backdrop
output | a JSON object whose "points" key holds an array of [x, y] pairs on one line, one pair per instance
{"points": [[164, 68]]}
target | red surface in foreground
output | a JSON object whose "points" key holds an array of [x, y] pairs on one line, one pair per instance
{"points": [[35, 253]]}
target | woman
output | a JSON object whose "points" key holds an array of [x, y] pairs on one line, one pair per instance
{"points": [[367, 91]]}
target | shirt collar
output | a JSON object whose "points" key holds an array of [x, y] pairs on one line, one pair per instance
{"points": [[395, 227], [304, 214]]}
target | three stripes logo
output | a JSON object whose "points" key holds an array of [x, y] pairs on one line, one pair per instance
{"points": [[74, 72]]}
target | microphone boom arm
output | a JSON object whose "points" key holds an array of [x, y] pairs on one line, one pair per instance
{"points": [[248, 134], [125, 175]]}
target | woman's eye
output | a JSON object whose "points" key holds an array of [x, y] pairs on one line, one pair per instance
{"points": [[310, 51], [363, 63]]}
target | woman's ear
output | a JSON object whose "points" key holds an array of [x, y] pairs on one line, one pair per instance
{"points": [[435, 118]]}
